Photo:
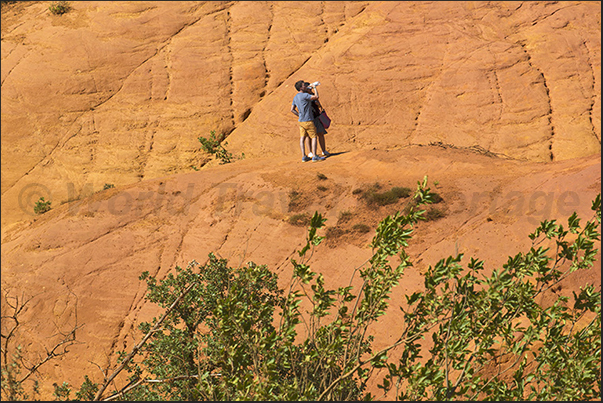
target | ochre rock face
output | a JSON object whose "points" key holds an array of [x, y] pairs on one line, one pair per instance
{"points": [[120, 92], [498, 102]]}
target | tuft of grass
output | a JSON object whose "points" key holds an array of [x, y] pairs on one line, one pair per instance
{"points": [[108, 186], [357, 191], [59, 7], [295, 199], [434, 214], [436, 198], [300, 220], [322, 188], [334, 232], [344, 216], [362, 228], [321, 177], [373, 197], [400, 192]]}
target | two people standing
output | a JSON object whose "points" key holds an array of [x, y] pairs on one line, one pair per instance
{"points": [[302, 107]]}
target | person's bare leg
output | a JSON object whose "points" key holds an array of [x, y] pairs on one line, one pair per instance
{"points": [[302, 145], [314, 142], [321, 141], [308, 144]]}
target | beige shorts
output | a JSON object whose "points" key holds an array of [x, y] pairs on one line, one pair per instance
{"points": [[307, 129]]}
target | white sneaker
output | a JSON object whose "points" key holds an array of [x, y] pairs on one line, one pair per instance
{"points": [[310, 155]]}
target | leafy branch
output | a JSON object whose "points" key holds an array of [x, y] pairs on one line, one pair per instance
{"points": [[13, 360], [471, 333], [213, 145]]}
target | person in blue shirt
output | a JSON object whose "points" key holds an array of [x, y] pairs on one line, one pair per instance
{"points": [[302, 108]]}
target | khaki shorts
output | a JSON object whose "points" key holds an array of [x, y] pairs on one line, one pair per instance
{"points": [[307, 129]]}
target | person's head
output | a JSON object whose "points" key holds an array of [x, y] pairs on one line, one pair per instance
{"points": [[302, 85]]}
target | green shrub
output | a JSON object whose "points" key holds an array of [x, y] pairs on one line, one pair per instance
{"points": [[61, 392], [108, 186], [213, 146], [42, 206], [59, 7], [18, 367], [476, 321], [230, 333]]}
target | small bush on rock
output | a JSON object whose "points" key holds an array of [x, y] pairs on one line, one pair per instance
{"points": [[59, 7], [42, 206]]}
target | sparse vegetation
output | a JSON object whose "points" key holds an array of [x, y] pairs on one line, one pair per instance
{"points": [[322, 188], [437, 198], [213, 145], [344, 216], [553, 360], [41, 206], [59, 7], [295, 200], [334, 232], [16, 369], [321, 176], [301, 219], [433, 214], [230, 333], [372, 196], [108, 186], [362, 228]]}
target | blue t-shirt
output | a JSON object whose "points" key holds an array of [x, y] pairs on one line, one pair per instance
{"points": [[304, 106]]}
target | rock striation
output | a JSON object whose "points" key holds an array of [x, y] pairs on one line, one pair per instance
{"points": [[119, 92], [497, 102]]}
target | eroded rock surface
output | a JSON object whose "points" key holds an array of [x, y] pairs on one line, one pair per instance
{"points": [[119, 92], [499, 102]]}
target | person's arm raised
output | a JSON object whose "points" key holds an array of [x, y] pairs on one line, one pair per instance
{"points": [[315, 96]]}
